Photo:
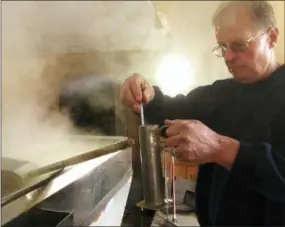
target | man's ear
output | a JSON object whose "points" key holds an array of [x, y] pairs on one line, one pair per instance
{"points": [[273, 37]]}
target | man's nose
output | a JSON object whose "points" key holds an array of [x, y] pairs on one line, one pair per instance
{"points": [[229, 55]]}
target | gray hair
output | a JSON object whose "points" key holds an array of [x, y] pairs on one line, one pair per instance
{"points": [[261, 12]]}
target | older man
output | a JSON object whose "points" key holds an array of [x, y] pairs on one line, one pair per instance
{"points": [[234, 128]]}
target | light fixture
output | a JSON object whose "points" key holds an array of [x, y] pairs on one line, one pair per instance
{"points": [[174, 75]]}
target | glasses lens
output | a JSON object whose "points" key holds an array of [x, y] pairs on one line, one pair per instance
{"points": [[219, 51], [238, 47]]}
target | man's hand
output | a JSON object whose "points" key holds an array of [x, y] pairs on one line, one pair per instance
{"points": [[136, 90], [195, 142]]}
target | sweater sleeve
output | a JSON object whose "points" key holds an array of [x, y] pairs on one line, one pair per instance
{"points": [[262, 168], [195, 105]]}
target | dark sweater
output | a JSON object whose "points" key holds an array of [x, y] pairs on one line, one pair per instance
{"points": [[253, 192]]}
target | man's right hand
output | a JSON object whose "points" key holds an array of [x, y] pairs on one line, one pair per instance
{"points": [[136, 90]]}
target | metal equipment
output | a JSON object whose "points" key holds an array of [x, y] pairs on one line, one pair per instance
{"points": [[71, 196], [155, 189], [79, 194], [151, 167]]}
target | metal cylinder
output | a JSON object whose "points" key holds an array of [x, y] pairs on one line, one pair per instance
{"points": [[153, 188]]}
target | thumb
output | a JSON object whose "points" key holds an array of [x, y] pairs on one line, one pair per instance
{"points": [[171, 122], [148, 93], [168, 122]]}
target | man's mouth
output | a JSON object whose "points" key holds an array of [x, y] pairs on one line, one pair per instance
{"points": [[235, 67]]}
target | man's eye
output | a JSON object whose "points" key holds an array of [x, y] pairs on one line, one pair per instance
{"points": [[238, 46]]}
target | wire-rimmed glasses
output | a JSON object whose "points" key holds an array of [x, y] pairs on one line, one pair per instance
{"points": [[236, 47]]}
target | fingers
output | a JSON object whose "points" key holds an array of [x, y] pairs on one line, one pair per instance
{"points": [[175, 127], [130, 98], [147, 92], [129, 95], [181, 121], [185, 155], [180, 154], [181, 126], [179, 138], [172, 130], [174, 141], [134, 91], [172, 122], [183, 150], [180, 145], [189, 139], [167, 122]]}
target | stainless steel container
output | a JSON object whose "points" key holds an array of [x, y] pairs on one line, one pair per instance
{"points": [[153, 187], [71, 189]]}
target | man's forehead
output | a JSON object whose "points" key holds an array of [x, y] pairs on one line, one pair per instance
{"points": [[234, 24], [233, 33]]}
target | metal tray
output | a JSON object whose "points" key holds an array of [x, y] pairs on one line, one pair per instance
{"points": [[69, 175]]}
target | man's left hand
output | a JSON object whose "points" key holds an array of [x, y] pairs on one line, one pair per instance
{"points": [[195, 142]]}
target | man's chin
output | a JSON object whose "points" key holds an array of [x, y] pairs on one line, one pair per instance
{"points": [[240, 77], [243, 78]]}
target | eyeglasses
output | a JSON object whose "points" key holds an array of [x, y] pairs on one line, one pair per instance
{"points": [[237, 47]]}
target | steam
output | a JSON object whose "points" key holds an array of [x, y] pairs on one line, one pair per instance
{"points": [[32, 130], [97, 90], [44, 52]]}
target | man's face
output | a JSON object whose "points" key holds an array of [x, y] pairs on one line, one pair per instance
{"points": [[251, 63]]}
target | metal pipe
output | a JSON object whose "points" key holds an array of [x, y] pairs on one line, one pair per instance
{"points": [[166, 195], [174, 219], [142, 114], [18, 194], [149, 136], [120, 145]]}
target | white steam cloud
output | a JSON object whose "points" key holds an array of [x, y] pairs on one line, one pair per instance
{"points": [[43, 43]]}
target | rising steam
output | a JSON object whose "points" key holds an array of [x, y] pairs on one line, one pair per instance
{"points": [[33, 127], [47, 44]]}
